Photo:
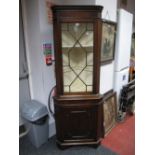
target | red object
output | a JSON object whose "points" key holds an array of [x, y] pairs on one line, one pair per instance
{"points": [[48, 60], [54, 92], [122, 137]]}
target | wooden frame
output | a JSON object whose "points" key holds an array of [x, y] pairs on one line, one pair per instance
{"points": [[108, 41], [78, 115], [109, 111], [69, 15]]}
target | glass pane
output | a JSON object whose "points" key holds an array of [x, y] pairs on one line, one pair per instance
{"points": [[66, 89], [78, 86], [87, 39], [77, 59], [89, 88], [86, 75], [68, 40], [76, 29], [77, 50], [69, 75]]}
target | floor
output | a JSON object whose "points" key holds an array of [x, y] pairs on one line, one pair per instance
{"points": [[122, 137], [50, 148], [120, 141]]}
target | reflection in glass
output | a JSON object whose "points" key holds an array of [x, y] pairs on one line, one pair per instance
{"points": [[77, 50]]}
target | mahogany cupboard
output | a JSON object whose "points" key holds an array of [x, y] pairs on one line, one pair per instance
{"points": [[78, 104]]}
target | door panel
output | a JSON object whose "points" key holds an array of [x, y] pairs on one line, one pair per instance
{"points": [[76, 123]]}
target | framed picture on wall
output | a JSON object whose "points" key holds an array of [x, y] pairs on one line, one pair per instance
{"points": [[108, 41], [109, 111]]}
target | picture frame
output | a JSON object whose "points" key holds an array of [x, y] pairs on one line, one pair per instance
{"points": [[108, 41], [109, 111]]}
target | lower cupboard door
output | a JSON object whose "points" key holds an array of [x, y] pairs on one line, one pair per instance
{"points": [[77, 123]]}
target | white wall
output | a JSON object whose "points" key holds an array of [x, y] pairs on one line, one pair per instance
{"points": [[107, 71], [38, 31], [106, 77], [46, 33], [33, 48], [110, 9]]}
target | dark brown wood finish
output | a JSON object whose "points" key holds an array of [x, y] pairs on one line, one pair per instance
{"points": [[78, 115], [71, 14], [58, 56], [78, 121], [97, 49]]}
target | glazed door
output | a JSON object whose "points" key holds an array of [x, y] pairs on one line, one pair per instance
{"points": [[77, 40]]}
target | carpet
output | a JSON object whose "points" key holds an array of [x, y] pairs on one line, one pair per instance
{"points": [[121, 139], [50, 148]]}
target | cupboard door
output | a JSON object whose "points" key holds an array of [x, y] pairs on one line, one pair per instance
{"points": [[77, 123], [77, 41]]}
